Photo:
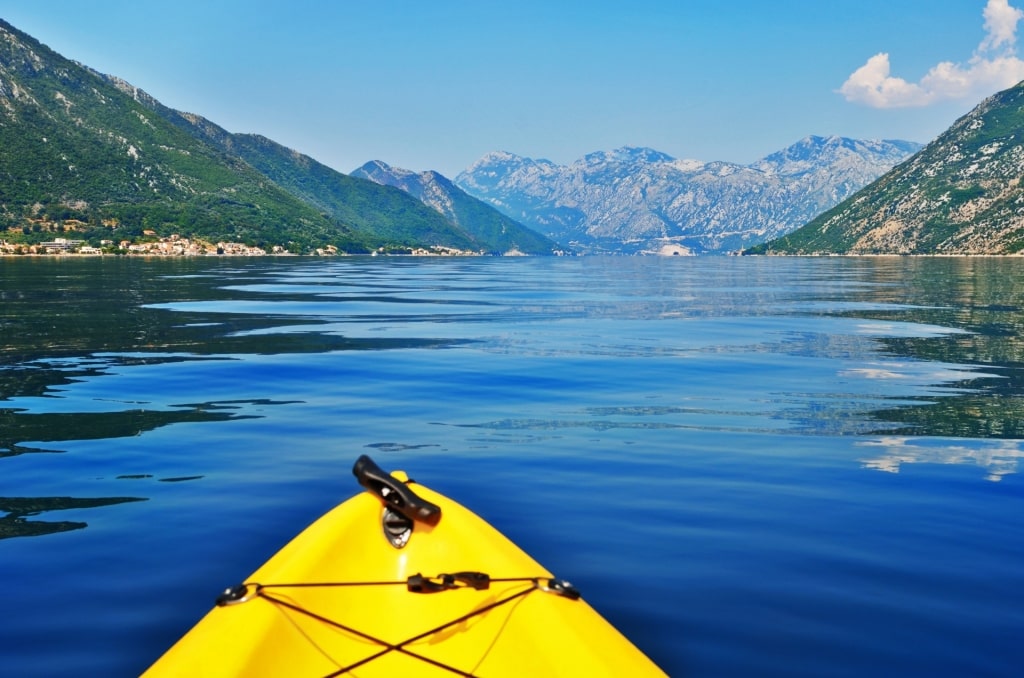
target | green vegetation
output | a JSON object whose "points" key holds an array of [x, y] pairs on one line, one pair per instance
{"points": [[477, 220], [393, 216], [492, 227], [77, 149], [89, 157], [960, 195]]}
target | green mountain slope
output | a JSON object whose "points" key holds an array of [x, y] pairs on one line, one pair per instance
{"points": [[391, 216], [91, 153], [483, 222], [961, 194], [387, 212], [76, 148]]}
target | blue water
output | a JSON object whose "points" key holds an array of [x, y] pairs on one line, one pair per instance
{"points": [[751, 466]]}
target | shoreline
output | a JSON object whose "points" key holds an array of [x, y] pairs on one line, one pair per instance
{"points": [[331, 255]]}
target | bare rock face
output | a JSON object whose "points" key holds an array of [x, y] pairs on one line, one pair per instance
{"points": [[960, 195], [639, 200], [480, 220]]}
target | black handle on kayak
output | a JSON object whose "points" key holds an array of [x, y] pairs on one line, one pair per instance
{"points": [[394, 493]]}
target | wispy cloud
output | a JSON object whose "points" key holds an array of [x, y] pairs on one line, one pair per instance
{"points": [[994, 66]]}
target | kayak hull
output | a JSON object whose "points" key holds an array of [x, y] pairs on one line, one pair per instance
{"points": [[335, 601]]}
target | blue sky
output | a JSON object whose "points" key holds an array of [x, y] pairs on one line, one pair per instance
{"points": [[435, 85]]}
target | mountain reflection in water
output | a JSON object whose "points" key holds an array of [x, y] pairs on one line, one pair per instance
{"points": [[751, 466], [14, 524]]}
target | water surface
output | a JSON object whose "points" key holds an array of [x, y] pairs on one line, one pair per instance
{"points": [[750, 466]]}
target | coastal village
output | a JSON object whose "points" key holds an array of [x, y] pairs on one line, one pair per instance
{"points": [[177, 246], [170, 246]]}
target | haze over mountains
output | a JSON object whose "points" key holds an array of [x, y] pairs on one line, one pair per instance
{"points": [[636, 200]]}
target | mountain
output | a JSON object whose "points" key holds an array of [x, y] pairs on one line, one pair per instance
{"points": [[389, 214], [961, 194], [77, 149], [480, 220], [634, 200], [92, 154]]}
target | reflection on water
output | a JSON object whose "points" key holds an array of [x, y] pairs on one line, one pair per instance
{"points": [[722, 419], [55, 308], [933, 348], [998, 458], [982, 299], [18, 426], [14, 524]]}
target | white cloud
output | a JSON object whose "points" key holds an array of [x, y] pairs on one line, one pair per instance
{"points": [[1000, 24], [988, 70]]}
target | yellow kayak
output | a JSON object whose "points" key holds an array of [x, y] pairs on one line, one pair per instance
{"points": [[402, 581]]}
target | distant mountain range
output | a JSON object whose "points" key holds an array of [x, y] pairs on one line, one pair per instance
{"points": [[639, 200], [962, 194], [91, 154], [458, 207]]}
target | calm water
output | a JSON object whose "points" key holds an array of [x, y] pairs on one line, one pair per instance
{"points": [[790, 467]]}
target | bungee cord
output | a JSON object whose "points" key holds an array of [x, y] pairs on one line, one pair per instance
{"points": [[415, 584]]}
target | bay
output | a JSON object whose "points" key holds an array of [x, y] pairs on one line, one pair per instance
{"points": [[751, 466]]}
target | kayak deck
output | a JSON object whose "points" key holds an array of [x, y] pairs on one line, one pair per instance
{"points": [[458, 598]]}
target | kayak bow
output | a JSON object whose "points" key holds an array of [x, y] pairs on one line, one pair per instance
{"points": [[397, 581]]}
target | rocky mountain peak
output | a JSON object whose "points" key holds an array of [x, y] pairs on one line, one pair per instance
{"points": [[812, 151], [477, 218], [382, 173], [636, 199], [961, 194], [627, 155]]}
